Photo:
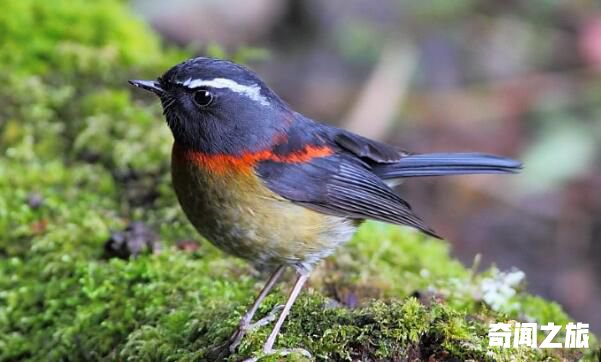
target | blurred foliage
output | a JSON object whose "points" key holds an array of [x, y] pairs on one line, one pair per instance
{"points": [[578, 147], [82, 158], [574, 133], [440, 9]]}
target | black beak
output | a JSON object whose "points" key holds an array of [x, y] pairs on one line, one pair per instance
{"points": [[149, 85]]}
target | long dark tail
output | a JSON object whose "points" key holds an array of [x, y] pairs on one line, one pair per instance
{"points": [[443, 164]]}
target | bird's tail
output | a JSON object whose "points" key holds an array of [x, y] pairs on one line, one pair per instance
{"points": [[443, 164]]}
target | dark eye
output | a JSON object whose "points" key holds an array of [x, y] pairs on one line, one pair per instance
{"points": [[203, 97]]}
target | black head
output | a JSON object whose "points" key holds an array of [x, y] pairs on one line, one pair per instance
{"points": [[216, 106]]}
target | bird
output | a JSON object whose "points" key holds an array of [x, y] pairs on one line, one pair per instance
{"points": [[274, 187]]}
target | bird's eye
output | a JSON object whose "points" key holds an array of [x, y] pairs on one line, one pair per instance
{"points": [[203, 97]]}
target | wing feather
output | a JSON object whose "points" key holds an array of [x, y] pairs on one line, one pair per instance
{"points": [[339, 185], [367, 149]]}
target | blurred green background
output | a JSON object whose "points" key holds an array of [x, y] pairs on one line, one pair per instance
{"points": [[84, 159]]}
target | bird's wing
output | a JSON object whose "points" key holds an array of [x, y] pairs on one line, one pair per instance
{"points": [[369, 150], [339, 185], [388, 162]]}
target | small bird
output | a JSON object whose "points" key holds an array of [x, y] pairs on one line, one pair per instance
{"points": [[272, 186]]}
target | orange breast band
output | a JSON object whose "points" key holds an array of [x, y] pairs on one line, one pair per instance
{"points": [[222, 163]]}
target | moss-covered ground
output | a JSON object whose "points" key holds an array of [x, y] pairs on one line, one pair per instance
{"points": [[82, 158]]}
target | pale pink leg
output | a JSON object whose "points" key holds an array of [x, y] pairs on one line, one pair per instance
{"points": [[298, 286], [244, 325]]}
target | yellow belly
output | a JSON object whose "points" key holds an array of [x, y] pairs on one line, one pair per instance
{"points": [[241, 216]]}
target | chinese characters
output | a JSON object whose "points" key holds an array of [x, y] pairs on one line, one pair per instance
{"points": [[518, 334]]}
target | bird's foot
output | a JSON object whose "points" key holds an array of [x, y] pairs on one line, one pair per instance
{"points": [[280, 352], [243, 328], [228, 347]]}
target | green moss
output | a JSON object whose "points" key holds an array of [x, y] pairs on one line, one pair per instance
{"points": [[37, 41], [61, 299], [83, 157]]}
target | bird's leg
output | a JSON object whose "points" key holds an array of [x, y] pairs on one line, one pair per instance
{"points": [[268, 346], [245, 324], [298, 286]]}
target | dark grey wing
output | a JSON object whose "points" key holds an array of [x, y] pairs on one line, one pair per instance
{"points": [[339, 185], [367, 149]]}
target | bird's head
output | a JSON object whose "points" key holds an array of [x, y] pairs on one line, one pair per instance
{"points": [[216, 106]]}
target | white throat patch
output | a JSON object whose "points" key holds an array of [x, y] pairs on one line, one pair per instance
{"points": [[251, 91]]}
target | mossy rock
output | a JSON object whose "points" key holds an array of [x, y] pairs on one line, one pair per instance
{"points": [[81, 158], [62, 299]]}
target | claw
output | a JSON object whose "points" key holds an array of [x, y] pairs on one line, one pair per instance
{"points": [[270, 317], [236, 338]]}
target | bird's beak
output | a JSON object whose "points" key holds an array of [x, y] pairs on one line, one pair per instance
{"points": [[149, 85]]}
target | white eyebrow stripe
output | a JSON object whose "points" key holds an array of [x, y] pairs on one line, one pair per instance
{"points": [[251, 91]]}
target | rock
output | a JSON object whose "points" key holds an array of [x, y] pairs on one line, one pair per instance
{"points": [[137, 238]]}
